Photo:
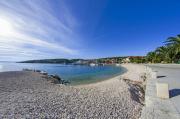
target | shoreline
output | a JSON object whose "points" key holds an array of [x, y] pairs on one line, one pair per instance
{"points": [[129, 73], [75, 78], [29, 95], [132, 81], [100, 81]]}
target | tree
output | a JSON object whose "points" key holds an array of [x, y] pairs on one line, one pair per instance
{"points": [[174, 44], [162, 53], [170, 53], [151, 57]]}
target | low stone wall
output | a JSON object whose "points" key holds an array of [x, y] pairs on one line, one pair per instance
{"points": [[156, 107]]}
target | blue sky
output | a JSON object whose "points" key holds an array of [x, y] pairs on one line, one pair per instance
{"points": [[38, 29]]}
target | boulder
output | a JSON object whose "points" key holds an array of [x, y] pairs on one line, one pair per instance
{"points": [[57, 79], [27, 70], [38, 71], [44, 73], [65, 82]]}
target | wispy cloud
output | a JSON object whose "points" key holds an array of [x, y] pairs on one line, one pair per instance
{"points": [[39, 30]]}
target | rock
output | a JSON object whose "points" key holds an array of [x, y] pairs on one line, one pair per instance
{"points": [[43, 72], [142, 77], [65, 82], [27, 70], [57, 79], [38, 71]]}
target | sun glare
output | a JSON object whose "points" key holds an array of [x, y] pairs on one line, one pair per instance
{"points": [[5, 27]]}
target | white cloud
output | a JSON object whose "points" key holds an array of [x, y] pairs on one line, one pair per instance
{"points": [[38, 32]]}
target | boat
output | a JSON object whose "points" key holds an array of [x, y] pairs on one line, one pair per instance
{"points": [[92, 64]]}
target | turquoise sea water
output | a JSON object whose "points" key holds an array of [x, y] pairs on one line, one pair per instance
{"points": [[76, 74]]}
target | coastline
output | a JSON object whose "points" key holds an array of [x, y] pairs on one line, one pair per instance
{"points": [[72, 73], [131, 78], [104, 80], [28, 94], [132, 72]]}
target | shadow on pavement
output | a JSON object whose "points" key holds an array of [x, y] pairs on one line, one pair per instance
{"points": [[174, 92], [160, 76]]}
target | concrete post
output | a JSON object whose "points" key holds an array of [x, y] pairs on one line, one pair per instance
{"points": [[162, 90], [153, 75]]}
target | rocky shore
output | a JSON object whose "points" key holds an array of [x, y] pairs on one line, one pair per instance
{"points": [[28, 94]]}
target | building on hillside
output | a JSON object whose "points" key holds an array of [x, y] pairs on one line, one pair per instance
{"points": [[126, 60]]}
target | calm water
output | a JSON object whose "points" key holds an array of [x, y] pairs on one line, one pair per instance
{"points": [[74, 74]]}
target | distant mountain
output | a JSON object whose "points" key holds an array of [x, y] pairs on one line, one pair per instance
{"points": [[55, 61], [108, 60]]}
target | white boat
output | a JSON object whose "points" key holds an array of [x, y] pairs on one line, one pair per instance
{"points": [[92, 64], [117, 64]]}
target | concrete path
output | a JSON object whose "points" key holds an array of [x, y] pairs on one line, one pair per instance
{"points": [[156, 108]]}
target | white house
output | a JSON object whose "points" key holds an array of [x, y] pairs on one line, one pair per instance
{"points": [[126, 60]]}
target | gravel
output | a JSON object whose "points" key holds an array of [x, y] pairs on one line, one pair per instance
{"points": [[27, 94]]}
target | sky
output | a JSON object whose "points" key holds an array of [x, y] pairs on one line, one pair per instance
{"points": [[44, 29]]}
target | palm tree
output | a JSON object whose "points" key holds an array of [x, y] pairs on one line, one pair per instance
{"points": [[151, 56], [163, 53], [174, 44]]}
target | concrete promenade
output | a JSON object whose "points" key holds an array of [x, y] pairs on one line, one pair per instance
{"points": [[157, 108]]}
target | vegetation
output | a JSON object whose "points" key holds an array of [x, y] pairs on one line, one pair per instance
{"points": [[169, 53], [55, 61], [109, 60], [137, 59]]}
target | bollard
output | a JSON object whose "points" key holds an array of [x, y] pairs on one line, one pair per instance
{"points": [[162, 90], [153, 75], [149, 70]]}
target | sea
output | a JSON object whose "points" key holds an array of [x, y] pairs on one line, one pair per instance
{"points": [[75, 74]]}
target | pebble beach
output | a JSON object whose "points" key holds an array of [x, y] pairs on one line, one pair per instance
{"points": [[26, 94]]}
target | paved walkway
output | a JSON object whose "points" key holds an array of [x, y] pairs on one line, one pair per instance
{"points": [[156, 108]]}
